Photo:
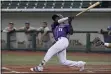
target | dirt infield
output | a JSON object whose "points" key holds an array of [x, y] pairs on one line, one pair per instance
{"points": [[62, 69], [55, 68]]}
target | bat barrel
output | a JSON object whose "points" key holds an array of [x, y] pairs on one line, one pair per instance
{"points": [[92, 6]]}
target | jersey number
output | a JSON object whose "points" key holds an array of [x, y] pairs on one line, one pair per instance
{"points": [[60, 29]]}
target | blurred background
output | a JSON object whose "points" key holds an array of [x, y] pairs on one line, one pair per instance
{"points": [[26, 26], [35, 12]]}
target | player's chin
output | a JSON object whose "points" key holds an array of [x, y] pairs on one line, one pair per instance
{"points": [[108, 45]]}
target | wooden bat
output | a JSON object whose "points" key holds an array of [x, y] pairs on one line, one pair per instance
{"points": [[92, 6]]}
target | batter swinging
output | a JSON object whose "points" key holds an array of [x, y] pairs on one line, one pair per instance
{"points": [[60, 32]]}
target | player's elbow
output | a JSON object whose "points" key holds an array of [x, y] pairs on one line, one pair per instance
{"points": [[62, 20]]}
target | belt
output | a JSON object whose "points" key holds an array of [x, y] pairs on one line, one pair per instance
{"points": [[61, 37]]}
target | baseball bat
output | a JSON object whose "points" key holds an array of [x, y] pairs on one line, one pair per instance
{"points": [[92, 6]]}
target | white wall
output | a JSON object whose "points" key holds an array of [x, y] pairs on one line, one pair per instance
{"points": [[84, 22]]}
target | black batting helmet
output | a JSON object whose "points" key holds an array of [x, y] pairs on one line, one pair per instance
{"points": [[56, 15]]}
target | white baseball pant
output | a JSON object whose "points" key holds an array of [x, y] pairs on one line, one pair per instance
{"points": [[59, 49]]}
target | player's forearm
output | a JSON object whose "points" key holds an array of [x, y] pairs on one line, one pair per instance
{"points": [[65, 19], [62, 20]]}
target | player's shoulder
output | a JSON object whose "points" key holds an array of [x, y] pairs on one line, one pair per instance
{"points": [[52, 24]]}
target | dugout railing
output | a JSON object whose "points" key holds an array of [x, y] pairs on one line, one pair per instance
{"points": [[88, 47]]}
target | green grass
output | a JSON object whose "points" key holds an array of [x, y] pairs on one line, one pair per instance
{"points": [[10, 59]]}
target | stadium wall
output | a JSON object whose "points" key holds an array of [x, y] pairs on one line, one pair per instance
{"points": [[85, 22]]}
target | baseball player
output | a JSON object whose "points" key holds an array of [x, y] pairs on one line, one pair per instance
{"points": [[45, 36], [10, 29], [107, 37], [28, 35], [60, 31]]}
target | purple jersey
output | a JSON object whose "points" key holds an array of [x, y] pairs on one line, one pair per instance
{"points": [[60, 30]]}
